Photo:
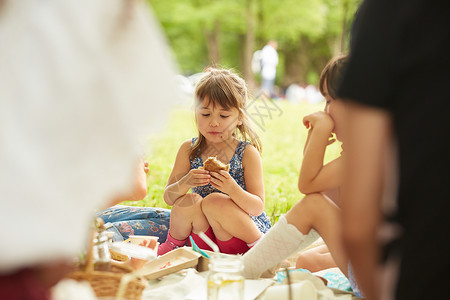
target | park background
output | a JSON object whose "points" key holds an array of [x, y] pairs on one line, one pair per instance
{"points": [[226, 33]]}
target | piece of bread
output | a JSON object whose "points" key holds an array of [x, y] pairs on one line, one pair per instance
{"points": [[118, 256], [214, 165]]}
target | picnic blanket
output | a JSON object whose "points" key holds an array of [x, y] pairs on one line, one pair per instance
{"points": [[191, 285]]}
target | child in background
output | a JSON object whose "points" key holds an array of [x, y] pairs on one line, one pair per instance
{"points": [[317, 211], [227, 206]]}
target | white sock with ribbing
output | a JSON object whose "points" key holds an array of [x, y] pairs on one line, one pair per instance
{"points": [[278, 243]]}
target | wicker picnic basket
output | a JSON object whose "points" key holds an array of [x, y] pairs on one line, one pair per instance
{"points": [[119, 282]]}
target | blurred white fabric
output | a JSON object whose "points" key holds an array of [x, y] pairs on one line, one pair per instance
{"points": [[82, 84], [295, 93], [70, 289], [313, 95]]}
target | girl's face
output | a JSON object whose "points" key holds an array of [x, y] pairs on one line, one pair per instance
{"points": [[216, 124], [335, 109]]}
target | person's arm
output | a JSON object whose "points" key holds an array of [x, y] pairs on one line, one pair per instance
{"points": [[252, 200], [368, 135], [314, 175], [182, 177], [140, 186]]}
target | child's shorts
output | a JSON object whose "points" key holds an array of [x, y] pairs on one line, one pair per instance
{"points": [[232, 246]]}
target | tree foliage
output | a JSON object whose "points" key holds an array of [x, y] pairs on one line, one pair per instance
{"points": [[205, 32]]}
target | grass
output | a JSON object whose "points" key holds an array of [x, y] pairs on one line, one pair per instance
{"points": [[283, 135]]}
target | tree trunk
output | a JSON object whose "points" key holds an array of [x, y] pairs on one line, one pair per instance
{"points": [[296, 63], [213, 44], [260, 41], [344, 26], [248, 40]]}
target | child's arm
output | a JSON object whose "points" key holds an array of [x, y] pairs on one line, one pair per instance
{"points": [[182, 177], [252, 200], [314, 176]]}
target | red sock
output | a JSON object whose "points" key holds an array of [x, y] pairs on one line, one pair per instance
{"points": [[170, 244], [199, 241]]}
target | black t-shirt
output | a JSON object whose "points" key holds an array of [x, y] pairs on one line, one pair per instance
{"points": [[400, 61]]}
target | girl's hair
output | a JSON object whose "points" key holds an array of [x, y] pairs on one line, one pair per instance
{"points": [[225, 88], [332, 73]]}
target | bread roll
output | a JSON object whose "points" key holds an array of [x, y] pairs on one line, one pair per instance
{"points": [[214, 165]]}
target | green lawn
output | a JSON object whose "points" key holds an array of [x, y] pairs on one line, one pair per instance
{"points": [[283, 136]]}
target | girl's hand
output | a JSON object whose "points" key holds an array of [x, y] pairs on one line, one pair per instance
{"points": [[319, 118], [197, 177], [223, 181]]}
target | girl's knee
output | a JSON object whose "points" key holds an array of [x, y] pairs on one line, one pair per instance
{"points": [[188, 200], [215, 202], [310, 203], [315, 199]]}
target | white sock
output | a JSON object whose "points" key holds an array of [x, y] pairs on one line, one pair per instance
{"points": [[279, 242], [310, 238]]}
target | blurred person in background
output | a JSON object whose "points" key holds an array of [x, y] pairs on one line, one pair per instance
{"points": [[269, 62]]}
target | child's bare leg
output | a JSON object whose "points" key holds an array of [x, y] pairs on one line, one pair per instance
{"points": [[315, 211], [186, 216], [228, 220], [289, 234], [315, 259]]}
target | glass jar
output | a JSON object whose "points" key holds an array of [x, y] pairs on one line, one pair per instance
{"points": [[101, 255], [225, 279]]}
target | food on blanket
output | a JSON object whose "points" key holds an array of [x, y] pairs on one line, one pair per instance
{"points": [[167, 264], [214, 165], [118, 256]]}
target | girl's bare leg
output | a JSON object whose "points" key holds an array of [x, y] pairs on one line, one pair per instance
{"points": [[289, 234], [186, 216], [315, 259], [315, 211], [228, 220]]}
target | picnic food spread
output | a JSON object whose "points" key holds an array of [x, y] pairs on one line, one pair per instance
{"points": [[214, 165]]}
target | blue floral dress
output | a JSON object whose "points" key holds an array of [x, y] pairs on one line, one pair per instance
{"points": [[237, 172]]}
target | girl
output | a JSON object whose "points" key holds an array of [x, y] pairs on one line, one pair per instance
{"points": [[317, 211], [228, 207]]}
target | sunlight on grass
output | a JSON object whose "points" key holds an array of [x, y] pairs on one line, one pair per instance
{"points": [[283, 136]]}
